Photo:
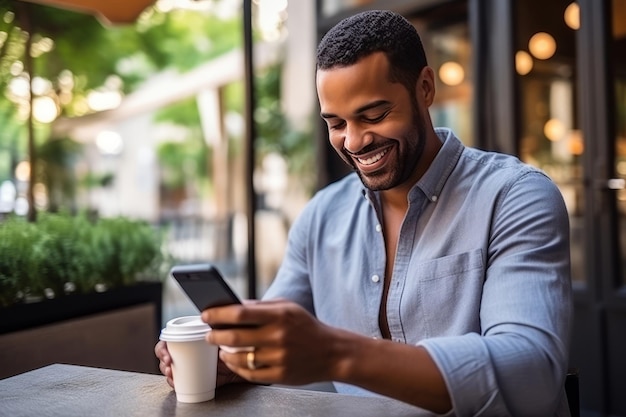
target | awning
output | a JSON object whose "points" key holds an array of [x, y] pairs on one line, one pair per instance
{"points": [[109, 12]]}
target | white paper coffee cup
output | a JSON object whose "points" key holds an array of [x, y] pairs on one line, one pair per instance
{"points": [[194, 361]]}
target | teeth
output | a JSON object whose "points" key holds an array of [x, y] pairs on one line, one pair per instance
{"points": [[375, 158]]}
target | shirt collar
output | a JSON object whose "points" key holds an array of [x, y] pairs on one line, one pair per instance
{"points": [[435, 177]]}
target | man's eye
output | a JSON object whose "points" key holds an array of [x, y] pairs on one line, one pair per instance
{"points": [[376, 119], [336, 125]]}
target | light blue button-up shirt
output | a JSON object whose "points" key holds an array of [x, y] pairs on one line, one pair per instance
{"points": [[481, 277]]}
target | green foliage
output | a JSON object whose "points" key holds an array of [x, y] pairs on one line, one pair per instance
{"points": [[62, 253], [91, 180], [183, 113], [182, 161], [274, 132], [88, 54], [75, 36], [125, 249], [12, 134], [92, 53], [56, 170], [16, 254], [180, 39], [183, 39]]}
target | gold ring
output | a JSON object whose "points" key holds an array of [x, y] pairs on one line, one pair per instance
{"points": [[251, 360]]}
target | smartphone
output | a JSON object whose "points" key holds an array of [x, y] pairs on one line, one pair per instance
{"points": [[204, 285]]}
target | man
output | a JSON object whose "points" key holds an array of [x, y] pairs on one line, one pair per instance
{"points": [[437, 274]]}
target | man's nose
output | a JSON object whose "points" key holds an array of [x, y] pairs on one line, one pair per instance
{"points": [[356, 138]]}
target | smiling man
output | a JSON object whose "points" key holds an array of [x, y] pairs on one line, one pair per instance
{"points": [[436, 274]]}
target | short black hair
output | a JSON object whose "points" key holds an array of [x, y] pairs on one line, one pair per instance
{"points": [[373, 31]]}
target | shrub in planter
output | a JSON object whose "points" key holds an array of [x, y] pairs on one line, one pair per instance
{"points": [[62, 254], [16, 252]]}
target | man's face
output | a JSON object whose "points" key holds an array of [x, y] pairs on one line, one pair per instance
{"points": [[372, 123]]}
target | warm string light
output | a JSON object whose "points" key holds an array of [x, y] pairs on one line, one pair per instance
{"points": [[451, 73], [572, 16], [542, 45], [523, 62], [554, 130]]}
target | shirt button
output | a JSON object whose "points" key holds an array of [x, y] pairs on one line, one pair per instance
{"points": [[433, 198], [375, 278], [378, 228]]}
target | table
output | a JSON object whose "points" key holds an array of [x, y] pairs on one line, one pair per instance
{"points": [[69, 390]]}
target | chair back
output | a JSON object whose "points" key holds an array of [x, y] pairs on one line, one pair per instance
{"points": [[572, 392]]}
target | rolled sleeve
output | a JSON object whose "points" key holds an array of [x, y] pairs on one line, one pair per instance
{"points": [[517, 365]]}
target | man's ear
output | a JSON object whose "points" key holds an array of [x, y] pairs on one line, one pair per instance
{"points": [[425, 88]]}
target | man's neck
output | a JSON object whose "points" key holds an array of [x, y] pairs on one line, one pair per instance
{"points": [[395, 200]]}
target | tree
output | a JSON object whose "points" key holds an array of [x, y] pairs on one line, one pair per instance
{"points": [[29, 31], [71, 54]]}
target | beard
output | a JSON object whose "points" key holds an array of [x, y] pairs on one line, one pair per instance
{"points": [[408, 151]]}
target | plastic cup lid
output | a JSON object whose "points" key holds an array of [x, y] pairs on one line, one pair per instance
{"points": [[184, 329]]}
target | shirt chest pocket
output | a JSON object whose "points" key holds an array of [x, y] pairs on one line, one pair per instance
{"points": [[444, 294]]}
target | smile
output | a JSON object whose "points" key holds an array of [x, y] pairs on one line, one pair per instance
{"points": [[373, 159]]}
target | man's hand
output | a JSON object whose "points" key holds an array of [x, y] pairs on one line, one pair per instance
{"points": [[165, 361], [290, 345]]}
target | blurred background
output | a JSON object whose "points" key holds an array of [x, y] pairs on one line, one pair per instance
{"points": [[198, 120]]}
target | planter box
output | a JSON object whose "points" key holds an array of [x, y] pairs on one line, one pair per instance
{"points": [[115, 329]]}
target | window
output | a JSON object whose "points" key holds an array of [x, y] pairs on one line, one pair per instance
{"points": [[545, 57]]}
